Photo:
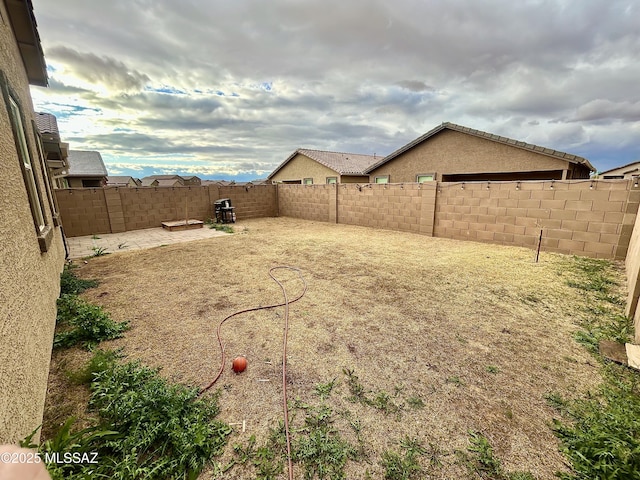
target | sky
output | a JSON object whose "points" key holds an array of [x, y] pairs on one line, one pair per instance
{"points": [[229, 89]]}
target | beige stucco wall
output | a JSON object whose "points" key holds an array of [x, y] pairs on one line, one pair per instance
{"points": [[301, 167], [29, 279], [451, 152]]}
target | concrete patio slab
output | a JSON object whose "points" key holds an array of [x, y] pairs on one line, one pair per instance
{"points": [[86, 246]]}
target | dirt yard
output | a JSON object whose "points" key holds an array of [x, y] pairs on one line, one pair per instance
{"points": [[458, 336]]}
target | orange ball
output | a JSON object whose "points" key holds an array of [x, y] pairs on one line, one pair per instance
{"points": [[239, 364]]}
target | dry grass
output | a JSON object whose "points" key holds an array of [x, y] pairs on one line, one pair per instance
{"points": [[480, 333]]}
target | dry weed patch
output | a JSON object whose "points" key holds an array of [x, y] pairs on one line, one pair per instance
{"points": [[402, 345]]}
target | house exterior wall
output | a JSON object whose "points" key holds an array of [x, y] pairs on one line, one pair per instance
{"points": [[450, 152], [301, 167], [627, 171], [29, 278]]}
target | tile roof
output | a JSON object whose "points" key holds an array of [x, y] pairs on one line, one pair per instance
{"points": [[341, 163], [119, 180], [632, 164], [47, 124], [489, 136], [84, 163]]}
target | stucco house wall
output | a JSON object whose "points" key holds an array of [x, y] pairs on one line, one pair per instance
{"points": [[29, 277], [301, 167], [451, 152]]}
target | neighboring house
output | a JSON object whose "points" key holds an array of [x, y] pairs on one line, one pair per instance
{"points": [[122, 181], [55, 151], [316, 166], [453, 153], [192, 180], [31, 245], [86, 169], [170, 181], [630, 170]]}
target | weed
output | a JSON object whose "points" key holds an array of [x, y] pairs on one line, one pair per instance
{"points": [[167, 430], [404, 466], [323, 390], [600, 433], [85, 441], [355, 387], [602, 438], [71, 284], [492, 369], [122, 245], [484, 463], [457, 381], [95, 237], [321, 449], [381, 400], [99, 362], [415, 402], [221, 228], [99, 251], [84, 323], [147, 428]]}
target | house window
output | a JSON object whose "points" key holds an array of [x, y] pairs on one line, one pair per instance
{"points": [[27, 167], [382, 179], [43, 231], [308, 181], [426, 177], [332, 179]]}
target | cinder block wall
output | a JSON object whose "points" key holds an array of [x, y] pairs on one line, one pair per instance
{"points": [[88, 211], [83, 211], [310, 202], [148, 207], [581, 217], [409, 207], [249, 201]]}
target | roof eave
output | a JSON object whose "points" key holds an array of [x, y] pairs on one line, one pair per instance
{"points": [[25, 30]]}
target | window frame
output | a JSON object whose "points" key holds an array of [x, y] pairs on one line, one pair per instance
{"points": [[307, 181], [381, 179], [28, 167], [432, 175], [331, 180]]}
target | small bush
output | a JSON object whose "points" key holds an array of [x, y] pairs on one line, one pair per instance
{"points": [[147, 428], [84, 323]]}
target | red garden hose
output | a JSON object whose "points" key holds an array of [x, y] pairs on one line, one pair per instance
{"points": [[284, 349]]}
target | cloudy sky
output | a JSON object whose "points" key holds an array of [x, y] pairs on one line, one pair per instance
{"points": [[228, 89]]}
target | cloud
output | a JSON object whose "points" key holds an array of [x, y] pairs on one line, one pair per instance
{"points": [[95, 69], [238, 82]]}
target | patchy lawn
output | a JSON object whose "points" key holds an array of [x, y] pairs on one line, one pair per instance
{"points": [[401, 338]]}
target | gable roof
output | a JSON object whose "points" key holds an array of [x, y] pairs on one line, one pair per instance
{"points": [[119, 180], [488, 136], [341, 163], [84, 163], [635, 164], [25, 29]]}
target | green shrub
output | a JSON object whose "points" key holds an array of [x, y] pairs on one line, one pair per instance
{"points": [[84, 323], [168, 430], [146, 428]]}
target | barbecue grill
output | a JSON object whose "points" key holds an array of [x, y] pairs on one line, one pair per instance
{"points": [[224, 211]]}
